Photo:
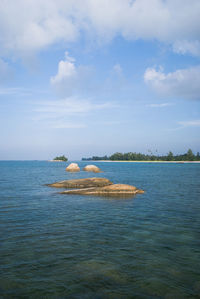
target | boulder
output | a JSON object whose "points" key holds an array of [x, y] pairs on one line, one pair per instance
{"points": [[82, 183], [92, 168], [111, 190], [73, 167]]}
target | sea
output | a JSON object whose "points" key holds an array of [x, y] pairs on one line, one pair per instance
{"points": [[75, 246]]}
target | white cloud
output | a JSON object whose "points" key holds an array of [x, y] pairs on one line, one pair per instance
{"points": [[66, 70], [67, 113], [190, 123], [70, 77], [184, 47], [70, 106], [183, 83], [17, 91], [160, 105], [33, 25]]}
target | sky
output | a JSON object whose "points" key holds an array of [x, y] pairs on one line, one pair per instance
{"points": [[94, 77]]}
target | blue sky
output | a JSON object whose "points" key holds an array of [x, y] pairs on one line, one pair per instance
{"points": [[93, 77]]}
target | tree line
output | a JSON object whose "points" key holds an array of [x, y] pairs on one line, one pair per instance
{"points": [[132, 156], [61, 158]]}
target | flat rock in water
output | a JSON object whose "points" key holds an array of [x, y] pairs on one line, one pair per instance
{"points": [[82, 183], [112, 190]]}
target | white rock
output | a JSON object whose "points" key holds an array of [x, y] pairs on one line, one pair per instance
{"points": [[73, 167]]}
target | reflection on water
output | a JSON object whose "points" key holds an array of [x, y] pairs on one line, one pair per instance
{"points": [[72, 246]]}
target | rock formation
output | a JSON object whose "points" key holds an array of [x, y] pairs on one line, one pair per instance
{"points": [[73, 167], [112, 190], [96, 186], [92, 168], [82, 183]]}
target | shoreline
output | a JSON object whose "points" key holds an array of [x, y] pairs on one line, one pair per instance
{"points": [[56, 161], [121, 161]]}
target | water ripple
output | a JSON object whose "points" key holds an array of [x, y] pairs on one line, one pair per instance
{"points": [[55, 246]]}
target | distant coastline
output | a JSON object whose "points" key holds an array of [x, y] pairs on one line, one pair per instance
{"points": [[179, 162], [189, 156], [56, 161]]}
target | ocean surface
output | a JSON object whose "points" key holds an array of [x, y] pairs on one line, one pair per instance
{"points": [[72, 246]]}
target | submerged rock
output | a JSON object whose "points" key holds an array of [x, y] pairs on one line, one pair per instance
{"points": [[82, 183], [92, 168], [112, 190], [73, 167]]}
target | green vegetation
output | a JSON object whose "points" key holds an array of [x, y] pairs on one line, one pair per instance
{"points": [[60, 158], [189, 156]]}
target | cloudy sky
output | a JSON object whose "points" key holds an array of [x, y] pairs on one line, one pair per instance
{"points": [[92, 77]]}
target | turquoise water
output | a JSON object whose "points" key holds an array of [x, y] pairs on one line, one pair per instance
{"points": [[72, 246]]}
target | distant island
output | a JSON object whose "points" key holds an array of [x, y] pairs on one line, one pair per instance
{"points": [[132, 156], [61, 158]]}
